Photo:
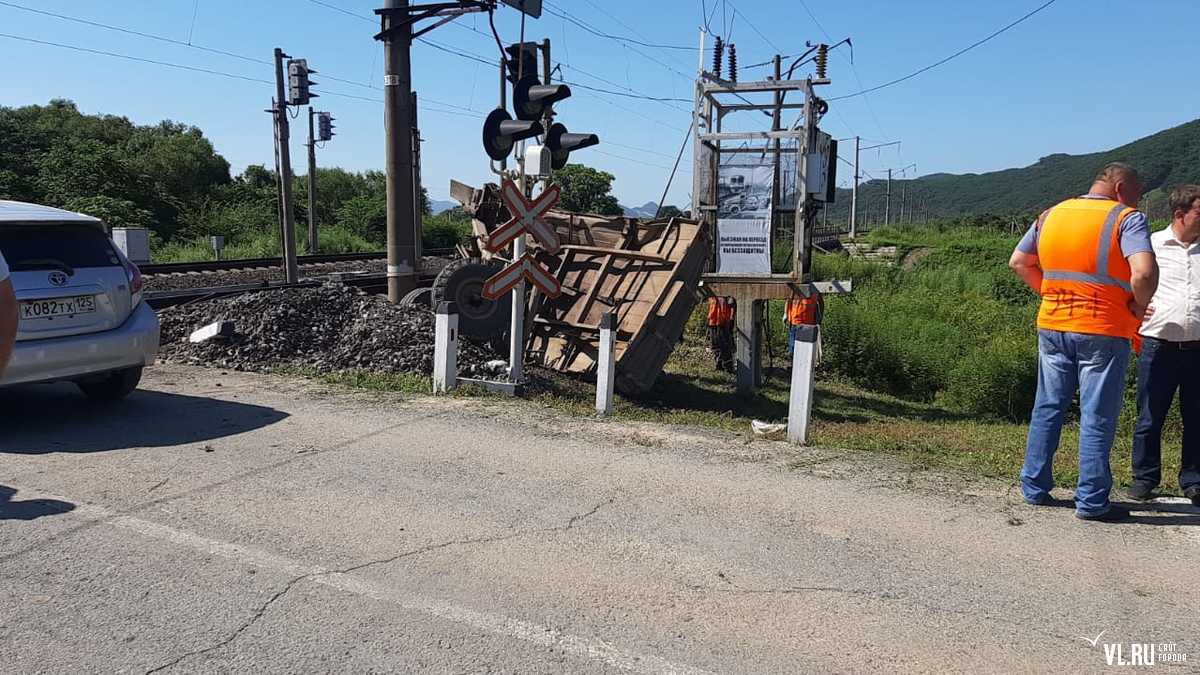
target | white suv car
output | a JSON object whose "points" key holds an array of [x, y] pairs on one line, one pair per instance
{"points": [[82, 318]]}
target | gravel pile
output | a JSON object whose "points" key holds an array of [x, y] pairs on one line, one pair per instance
{"points": [[329, 328]]}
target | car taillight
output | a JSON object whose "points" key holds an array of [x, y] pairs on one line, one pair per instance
{"points": [[135, 282]]}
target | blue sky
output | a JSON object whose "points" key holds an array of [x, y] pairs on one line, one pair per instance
{"points": [[1078, 77]]}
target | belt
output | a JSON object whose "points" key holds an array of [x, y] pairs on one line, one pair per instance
{"points": [[1190, 345]]}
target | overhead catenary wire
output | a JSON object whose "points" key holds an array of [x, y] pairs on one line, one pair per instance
{"points": [[198, 69], [964, 50], [566, 16], [162, 38], [853, 67]]}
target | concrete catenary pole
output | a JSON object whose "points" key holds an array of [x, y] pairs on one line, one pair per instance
{"points": [[887, 203], [291, 273], [398, 116], [854, 192], [312, 184]]}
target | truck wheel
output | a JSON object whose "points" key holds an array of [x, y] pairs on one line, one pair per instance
{"points": [[461, 282], [420, 297], [111, 387]]}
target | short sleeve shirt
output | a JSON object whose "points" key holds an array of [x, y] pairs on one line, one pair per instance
{"points": [[1134, 231], [3, 268]]}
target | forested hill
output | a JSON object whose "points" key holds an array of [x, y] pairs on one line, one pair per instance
{"points": [[1164, 159]]}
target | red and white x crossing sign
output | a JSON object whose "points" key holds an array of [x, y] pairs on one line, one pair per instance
{"points": [[525, 267], [526, 217]]}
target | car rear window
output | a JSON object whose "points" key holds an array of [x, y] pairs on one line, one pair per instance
{"points": [[32, 246]]}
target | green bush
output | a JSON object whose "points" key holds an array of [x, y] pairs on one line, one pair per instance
{"points": [[445, 230], [958, 328], [998, 378]]}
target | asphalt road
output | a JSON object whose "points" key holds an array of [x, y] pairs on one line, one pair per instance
{"points": [[223, 522]]}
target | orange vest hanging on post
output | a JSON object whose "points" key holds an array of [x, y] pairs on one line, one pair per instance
{"points": [[1085, 276], [803, 311], [720, 312]]}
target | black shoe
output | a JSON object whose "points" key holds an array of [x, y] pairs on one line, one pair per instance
{"points": [[1140, 492], [1114, 514], [1193, 493]]}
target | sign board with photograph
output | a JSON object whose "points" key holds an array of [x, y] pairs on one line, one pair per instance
{"points": [[744, 218]]}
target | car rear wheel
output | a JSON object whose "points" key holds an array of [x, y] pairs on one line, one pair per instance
{"points": [[111, 387]]}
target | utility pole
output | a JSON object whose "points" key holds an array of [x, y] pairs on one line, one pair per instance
{"points": [[312, 184], [776, 121], [396, 35], [854, 192], [857, 177], [287, 223], [887, 203]]}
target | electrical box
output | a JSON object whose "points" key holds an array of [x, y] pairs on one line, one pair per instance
{"points": [[134, 242], [538, 161], [820, 171]]}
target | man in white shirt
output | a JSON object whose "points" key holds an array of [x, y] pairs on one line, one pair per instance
{"points": [[8, 315], [1170, 357]]}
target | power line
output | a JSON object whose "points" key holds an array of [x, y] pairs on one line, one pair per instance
{"points": [[128, 31], [621, 93], [162, 38], [669, 67], [853, 68], [766, 39], [135, 58], [563, 14], [953, 56]]}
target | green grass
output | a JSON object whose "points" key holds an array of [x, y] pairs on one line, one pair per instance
{"points": [[332, 239]]}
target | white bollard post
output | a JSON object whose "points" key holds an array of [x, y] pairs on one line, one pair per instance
{"points": [[445, 348], [606, 371], [804, 363]]}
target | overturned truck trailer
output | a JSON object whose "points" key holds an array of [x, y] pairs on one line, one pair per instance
{"points": [[647, 273]]}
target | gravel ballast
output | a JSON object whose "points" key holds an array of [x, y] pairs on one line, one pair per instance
{"points": [[330, 328]]}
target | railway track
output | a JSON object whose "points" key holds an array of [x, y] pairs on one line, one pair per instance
{"points": [[155, 269]]}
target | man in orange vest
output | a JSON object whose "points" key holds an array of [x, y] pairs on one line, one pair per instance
{"points": [[721, 312], [802, 310], [1091, 261]]}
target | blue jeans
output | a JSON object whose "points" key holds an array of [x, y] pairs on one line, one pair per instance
{"points": [[1095, 364], [1162, 368]]}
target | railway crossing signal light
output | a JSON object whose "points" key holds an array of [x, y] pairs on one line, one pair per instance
{"points": [[532, 99], [562, 143], [325, 126], [298, 82], [521, 58], [501, 132]]}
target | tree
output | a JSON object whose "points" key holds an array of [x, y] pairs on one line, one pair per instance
{"points": [[669, 211], [114, 212], [585, 189]]}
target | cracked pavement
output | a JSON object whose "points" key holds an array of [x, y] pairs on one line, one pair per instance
{"points": [[245, 523]]}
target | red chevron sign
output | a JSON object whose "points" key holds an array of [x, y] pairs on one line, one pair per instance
{"points": [[526, 217], [525, 267]]}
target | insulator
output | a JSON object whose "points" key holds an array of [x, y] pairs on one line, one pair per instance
{"points": [[822, 60], [718, 56], [732, 62]]}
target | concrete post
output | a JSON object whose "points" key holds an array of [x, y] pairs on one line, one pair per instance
{"points": [[606, 371], [804, 363], [747, 341], [445, 348]]}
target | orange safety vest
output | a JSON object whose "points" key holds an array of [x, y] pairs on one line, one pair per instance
{"points": [[720, 312], [803, 311], [1085, 277]]}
